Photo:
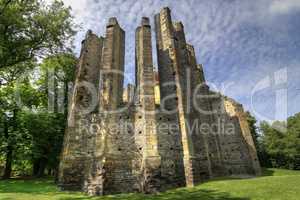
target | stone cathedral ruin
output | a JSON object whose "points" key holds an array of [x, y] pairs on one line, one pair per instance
{"points": [[169, 130]]}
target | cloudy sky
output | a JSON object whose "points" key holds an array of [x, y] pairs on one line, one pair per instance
{"points": [[250, 49]]}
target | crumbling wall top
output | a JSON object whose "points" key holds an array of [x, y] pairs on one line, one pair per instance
{"points": [[145, 21], [166, 9], [178, 26], [112, 22]]}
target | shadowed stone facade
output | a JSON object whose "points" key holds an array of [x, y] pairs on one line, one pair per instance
{"points": [[169, 130]]}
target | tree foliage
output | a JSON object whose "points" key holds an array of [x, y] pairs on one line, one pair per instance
{"points": [[59, 71], [282, 147], [31, 28], [46, 131], [32, 31], [34, 134], [14, 96], [253, 128]]}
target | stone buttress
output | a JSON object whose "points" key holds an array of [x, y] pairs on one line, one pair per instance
{"points": [[78, 140], [178, 65], [119, 137], [145, 129]]}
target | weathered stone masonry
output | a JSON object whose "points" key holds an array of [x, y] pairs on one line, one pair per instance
{"points": [[127, 151]]}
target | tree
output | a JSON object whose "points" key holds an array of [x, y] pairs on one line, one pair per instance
{"points": [[282, 145], [62, 68], [30, 29], [58, 69], [13, 97], [46, 130], [253, 128], [257, 139], [292, 141], [272, 143], [30, 125]]}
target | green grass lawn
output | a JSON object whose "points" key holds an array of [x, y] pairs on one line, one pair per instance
{"points": [[275, 184]]}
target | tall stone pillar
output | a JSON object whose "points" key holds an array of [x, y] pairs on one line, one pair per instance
{"points": [[112, 75], [146, 135], [117, 137], [171, 65], [78, 140]]}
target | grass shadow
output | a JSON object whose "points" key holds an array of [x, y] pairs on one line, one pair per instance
{"points": [[29, 186], [46, 186], [178, 194], [267, 172]]}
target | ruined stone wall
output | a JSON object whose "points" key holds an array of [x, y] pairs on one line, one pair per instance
{"points": [[146, 135], [172, 80], [128, 94], [120, 149], [120, 153], [113, 66], [206, 143], [189, 80], [145, 144], [177, 65], [156, 88], [236, 111], [78, 142], [171, 150], [235, 150]]}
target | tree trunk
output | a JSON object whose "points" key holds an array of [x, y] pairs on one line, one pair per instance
{"points": [[36, 167], [49, 172], [8, 165], [66, 99], [9, 152], [42, 167]]}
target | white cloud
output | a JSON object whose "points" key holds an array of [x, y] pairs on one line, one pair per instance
{"points": [[284, 6], [76, 5], [237, 41]]}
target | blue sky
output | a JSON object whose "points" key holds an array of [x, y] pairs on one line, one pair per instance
{"points": [[243, 45]]}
